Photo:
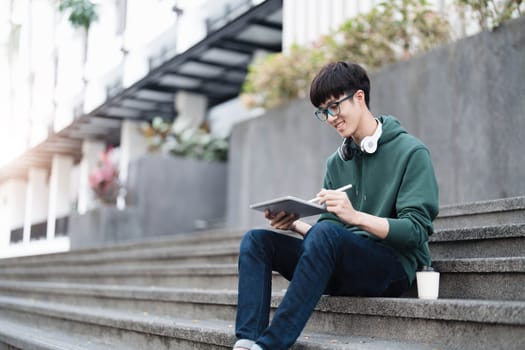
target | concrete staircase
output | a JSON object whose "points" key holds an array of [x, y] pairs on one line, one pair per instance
{"points": [[180, 293]]}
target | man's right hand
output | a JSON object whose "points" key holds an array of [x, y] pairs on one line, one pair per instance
{"points": [[281, 220]]}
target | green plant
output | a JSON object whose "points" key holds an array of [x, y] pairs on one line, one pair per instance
{"points": [[156, 133], [191, 143], [198, 144], [367, 39], [492, 13], [393, 30], [412, 25], [82, 13], [277, 78]]}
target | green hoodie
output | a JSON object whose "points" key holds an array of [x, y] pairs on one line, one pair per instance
{"points": [[397, 182]]}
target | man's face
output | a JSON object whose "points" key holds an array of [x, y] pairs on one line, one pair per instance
{"points": [[343, 113]]}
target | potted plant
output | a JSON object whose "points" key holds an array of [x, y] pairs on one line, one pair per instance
{"points": [[106, 224]]}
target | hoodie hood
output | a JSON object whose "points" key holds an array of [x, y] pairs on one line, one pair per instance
{"points": [[391, 129]]}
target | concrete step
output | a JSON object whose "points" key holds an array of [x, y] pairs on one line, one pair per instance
{"points": [[196, 238], [21, 336], [199, 303], [159, 301], [479, 278], [475, 242], [194, 245], [482, 278], [482, 213], [465, 324], [130, 330], [220, 276], [213, 253], [488, 241]]}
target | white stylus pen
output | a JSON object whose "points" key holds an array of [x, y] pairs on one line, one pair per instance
{"points": [[340, 189]]}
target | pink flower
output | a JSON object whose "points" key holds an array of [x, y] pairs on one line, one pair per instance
{"points": [[103, 180]]}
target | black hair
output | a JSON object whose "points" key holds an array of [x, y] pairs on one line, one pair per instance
{"points": [[339, 78]]}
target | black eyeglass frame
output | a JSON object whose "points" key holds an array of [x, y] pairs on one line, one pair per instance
{"points": [[322, 113]]}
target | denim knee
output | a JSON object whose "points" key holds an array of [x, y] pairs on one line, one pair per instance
{"points": [[322, 234], [252, 240]]}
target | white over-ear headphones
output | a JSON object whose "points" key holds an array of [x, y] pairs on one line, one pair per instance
{"points": [[369, 143]]}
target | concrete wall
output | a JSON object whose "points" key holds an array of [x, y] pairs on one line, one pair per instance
{"points": [[466, 101], [172, 194], [102, 227], [166, 195]]}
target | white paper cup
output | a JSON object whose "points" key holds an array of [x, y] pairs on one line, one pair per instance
{"points": [[427, 284]]}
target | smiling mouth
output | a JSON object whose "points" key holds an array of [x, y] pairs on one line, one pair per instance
{"points": [[339, 126]]}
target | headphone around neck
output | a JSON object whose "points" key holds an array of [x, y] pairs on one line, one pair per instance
{"points": [[368, 144]]}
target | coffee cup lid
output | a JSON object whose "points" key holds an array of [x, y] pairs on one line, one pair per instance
{"points": [[427, 269]]}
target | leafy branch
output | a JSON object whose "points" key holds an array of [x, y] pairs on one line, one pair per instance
{"points": [[491, 14], [82, 13]]}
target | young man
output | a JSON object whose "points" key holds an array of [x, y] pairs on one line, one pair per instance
{"points": [[374, 236]]}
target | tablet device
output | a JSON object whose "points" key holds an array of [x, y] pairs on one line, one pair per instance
{"points": [[290, 204]]}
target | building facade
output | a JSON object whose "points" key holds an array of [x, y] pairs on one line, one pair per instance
{"points": [[67, 94]]}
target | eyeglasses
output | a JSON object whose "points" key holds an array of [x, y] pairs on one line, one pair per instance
{"points": [[332, 109]]}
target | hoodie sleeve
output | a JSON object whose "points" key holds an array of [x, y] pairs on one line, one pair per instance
{"points": [[416, 204]]}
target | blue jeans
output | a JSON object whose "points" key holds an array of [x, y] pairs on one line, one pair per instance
{"points": [[330, 260]]}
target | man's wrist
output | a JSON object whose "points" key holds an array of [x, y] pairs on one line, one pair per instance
{"points": [[360, 219], [300, 227]]}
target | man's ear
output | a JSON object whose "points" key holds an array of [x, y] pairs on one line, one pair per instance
{"points": [[360, 96]]}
